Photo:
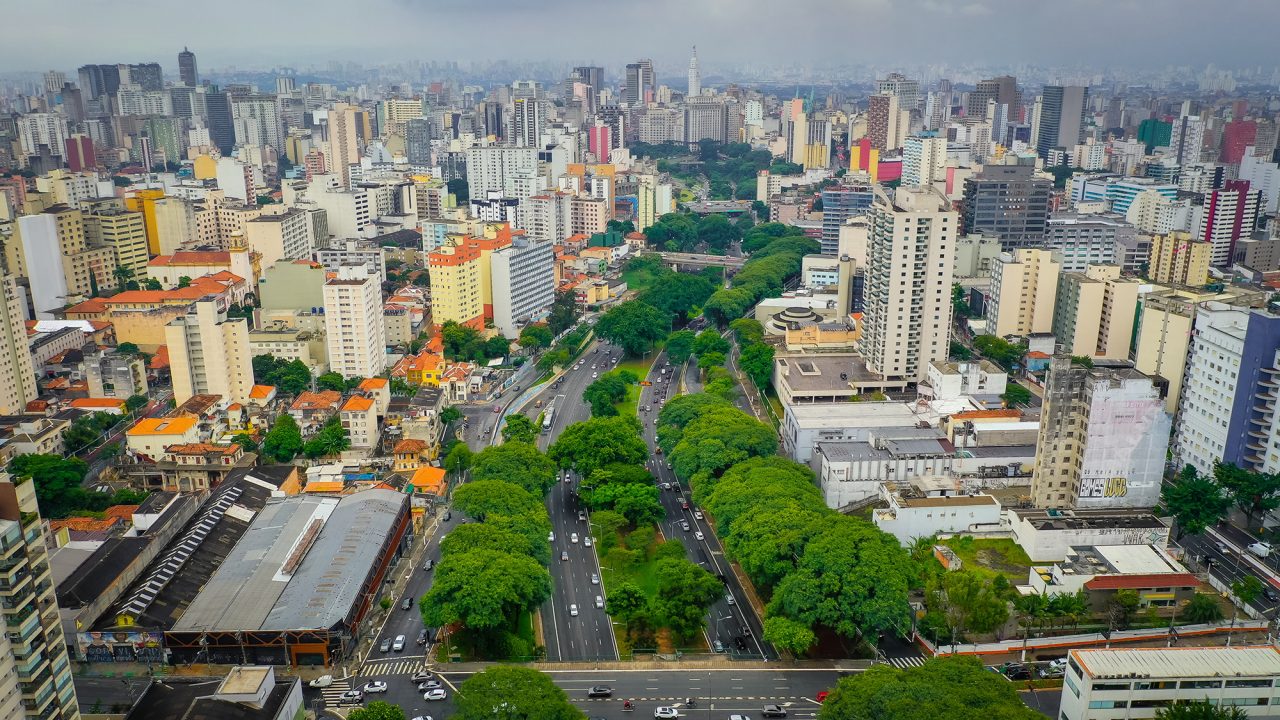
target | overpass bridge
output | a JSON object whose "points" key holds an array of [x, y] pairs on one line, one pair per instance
{"points": [[698, 260]]}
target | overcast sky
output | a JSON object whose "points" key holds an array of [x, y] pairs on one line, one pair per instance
{"points": [[63, 34]]}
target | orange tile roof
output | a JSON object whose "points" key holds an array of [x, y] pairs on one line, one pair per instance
{"points": [[977, 414], [324, 486], [123, 512], [162, 426], [160, 359], [436, 344], [83, 524], [322, 400], [357, 403], [429, 479], [261, 392], [202, 449], [373, 383], [92, 402], [215, 257], [410, 446], [38, 406], [92, 305], [1037, 355]]}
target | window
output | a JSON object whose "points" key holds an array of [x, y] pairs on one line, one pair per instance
{"points": [[1200, 684], [1097, 687], [1107, 704]]}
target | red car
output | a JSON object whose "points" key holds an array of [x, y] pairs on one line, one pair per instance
{"points": [[822, 696]]}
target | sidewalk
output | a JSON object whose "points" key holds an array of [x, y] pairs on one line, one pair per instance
{"points": [[1066, 642]]}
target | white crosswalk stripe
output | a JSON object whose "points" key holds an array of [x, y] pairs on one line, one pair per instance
{"points": [[334, 691], [392, 667], [906, 662]]}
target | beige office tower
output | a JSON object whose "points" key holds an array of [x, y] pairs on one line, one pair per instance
{"points": [[209, 354], [17, 373], [910, 262], [355, 328], [35, 672], [344, 141], [1024, 284]]}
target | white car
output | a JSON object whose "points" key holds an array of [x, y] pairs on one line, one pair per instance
{"points": [[421, 675], [351, 697], [398, 645], [573, 537], [697, 514], [429, 685], [729, 599], [698, 535], [595, 375], [587, 541], [1261, 549], [323, 681], [599, 602], [422, 717], [374, 686], [573, 611], [551, 536], [595, 579], [665, 713], [437, 694]]}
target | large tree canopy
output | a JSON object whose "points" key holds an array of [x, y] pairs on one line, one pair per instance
{"points": [[482, 589], [506, 692], [481, 498], [634, 326], [951, 688], [587, 446], [515, 462]]}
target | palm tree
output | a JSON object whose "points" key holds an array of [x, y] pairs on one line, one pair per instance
{"points": [[123, 275]]}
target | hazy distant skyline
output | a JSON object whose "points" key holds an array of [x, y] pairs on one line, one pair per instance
{"points": [[61, 34]]}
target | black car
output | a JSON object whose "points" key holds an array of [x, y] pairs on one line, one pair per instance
{"points": [[406, 604], [600, 691], [1016, 671], [740, 643], [1270, 594], [422, 637]]}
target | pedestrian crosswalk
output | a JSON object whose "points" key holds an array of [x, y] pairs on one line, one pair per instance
{"points": [[392, 667], [332, 693], [907, 662]]}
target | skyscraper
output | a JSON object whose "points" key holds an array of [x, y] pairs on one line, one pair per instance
{"points": [[1187, 139], [695, 76], [1004, 90], [354, 323], [99, 80], [593, 77], [1230, 214], [17, 373], [344, 142], [187, 68], [905, 89], [883, 120], [218, 114], [417, 141], [924, 159], [910, 259], [1007, 201], [1062, 114], [641, 83], [148, 76], [528, 118]]}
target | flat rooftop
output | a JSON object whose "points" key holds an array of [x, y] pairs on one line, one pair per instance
{"points": [[1050, 519], [1119, 560], [1190, 662], [300, 565], [851, 414], [180, 698]]}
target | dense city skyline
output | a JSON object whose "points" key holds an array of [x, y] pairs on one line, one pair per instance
{"points": [[1090, 33]]}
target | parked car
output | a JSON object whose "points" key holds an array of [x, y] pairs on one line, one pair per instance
{"points": [[374, 686], [422, 636], [421, 676], [436, 694], [426, 685]]}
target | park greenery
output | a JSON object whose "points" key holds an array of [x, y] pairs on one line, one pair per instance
{"points": [[821, 571], [776, 254], [634, 326], [729, 169], [59, 486], [1000, 351], [492, 574], [88, 430], [506, 692], [947, 687], [462, 342], [607, 391], [289, 376]]}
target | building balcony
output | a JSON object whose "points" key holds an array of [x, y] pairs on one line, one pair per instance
{"points": [[1258, 434], [1260, 447]]}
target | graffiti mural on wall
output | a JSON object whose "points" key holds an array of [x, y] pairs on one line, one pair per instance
{"points": [[120, 646]]}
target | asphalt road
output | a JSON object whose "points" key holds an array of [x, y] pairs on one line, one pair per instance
{"points": [[1229, 566], [736, 626], [589, 635]]}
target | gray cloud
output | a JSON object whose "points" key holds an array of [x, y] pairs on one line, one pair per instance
{"points": [[728, 33]]}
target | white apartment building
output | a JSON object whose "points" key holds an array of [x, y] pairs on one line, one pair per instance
{"points": [[209, 354], [1151, 212], [36, 129], [911, 257], [1139, 682], [17, 372], [282, 236], [355, 328], [44, 237], [955, 380], [1024, 284], [511, 171], [924, 159], [524, 283], [347, 212], [546, 216], [354, 252]]}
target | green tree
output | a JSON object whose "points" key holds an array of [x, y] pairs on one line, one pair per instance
{"points": [[152, 284], [245, 441], [633, 326], [481, 498], [680, 346], [283, 441], [851, 577], [87, 431], [459, 189], [535, 336], [331, 381], [677, 293], [184, 282], [450, 415], [706, 361], [959, 351], [330, 441], [487, 536], [945, 687], [639, 504], [972, 603], [710, 341], [1121, 607], [747, 330], [717, 439], [788, 635], [1247, 589], [553, 359], [507, 692], [481, 589], [1200, 710], [458, 458], [57, 481], [716, 233], [587, 446], [127, 348], [1196, 501], [672, 232], [1255, 493], [1015, 394], [516, 462], [519, 428], [1202, 608], [377, 710], [1000, 351], [685, 591], [136, 402], [606, 524], [756, 361], [626, 601], [564, 312]]}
